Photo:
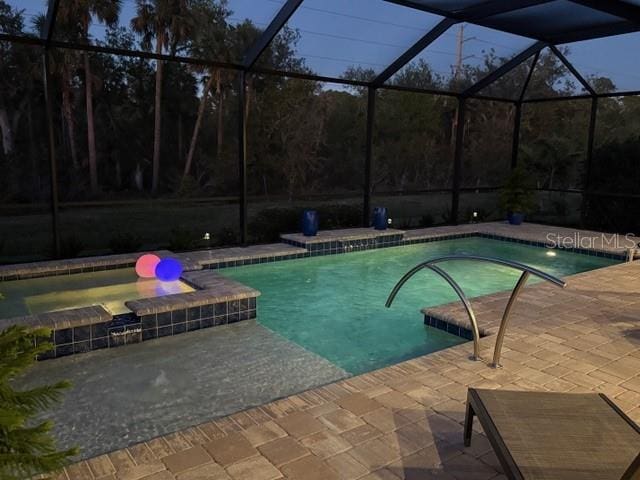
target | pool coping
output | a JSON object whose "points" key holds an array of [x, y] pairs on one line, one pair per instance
{"points": [[325, 243], [346, 234]]}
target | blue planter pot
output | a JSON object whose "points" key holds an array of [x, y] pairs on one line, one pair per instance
{"points": [[380, 218], [515, 218], [310, 223]]}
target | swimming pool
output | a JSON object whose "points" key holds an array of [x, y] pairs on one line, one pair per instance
{"points": [[320, 319], [334, 305]]}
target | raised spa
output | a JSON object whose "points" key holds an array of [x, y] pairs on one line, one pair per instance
{"points": [[109, 289]]}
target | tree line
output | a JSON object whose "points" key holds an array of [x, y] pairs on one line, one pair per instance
{"points": [[128, 127]]}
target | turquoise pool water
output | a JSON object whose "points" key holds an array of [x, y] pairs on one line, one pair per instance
{"points": [[334, 305]]}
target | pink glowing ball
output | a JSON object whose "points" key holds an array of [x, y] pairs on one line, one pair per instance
{"points": [[146, 265]]}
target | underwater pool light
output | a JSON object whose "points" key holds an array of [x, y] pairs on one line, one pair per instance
{"points": [[551, 253]]}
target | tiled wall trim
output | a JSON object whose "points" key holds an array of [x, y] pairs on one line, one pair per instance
{"points": [[583, 251], [129, 328], [448, 327], [68, 271]]}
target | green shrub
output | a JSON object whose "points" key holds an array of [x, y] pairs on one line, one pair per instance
{"points": [[26, 445], [445, 215], [339, 216], [516, 195], [187, 187], [226, 236], [427, 221], [560, 207], [125, 242], [182, 239], [70, 247], [267, 225]]}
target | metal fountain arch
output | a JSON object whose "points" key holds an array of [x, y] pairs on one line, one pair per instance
{"points": [[526, 272]]}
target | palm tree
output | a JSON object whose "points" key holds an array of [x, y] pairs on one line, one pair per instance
{"points": [[166, 21], [63, 63], [74, 19], [209, 41], [106, 11]]}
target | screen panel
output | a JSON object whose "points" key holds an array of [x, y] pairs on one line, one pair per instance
{"points": [[305, 150], [553, 143], [554, 20], [488, 143], [355, 39], [551, 78], [413, 149], [25, 182], [512, 84], [616, 146], [606, 63], [140, 184], [212, 30], [22, 17], [463, 55]]}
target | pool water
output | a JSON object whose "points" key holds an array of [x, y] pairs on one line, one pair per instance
{"points": [[110, 288], [334, 305]]}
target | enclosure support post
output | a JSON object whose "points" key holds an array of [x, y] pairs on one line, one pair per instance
{"points": [[588, 160], [52, 154], [515, 145], [590, 142], [242, 155], [457, 160], [371, 115]]}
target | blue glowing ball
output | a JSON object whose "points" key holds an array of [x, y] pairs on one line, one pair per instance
{"points": [[168, 270]]}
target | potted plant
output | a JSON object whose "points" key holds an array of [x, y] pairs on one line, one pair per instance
{"points": [[516, 196]]}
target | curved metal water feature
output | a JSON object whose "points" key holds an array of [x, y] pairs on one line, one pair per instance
{"points": [[526, 272]]}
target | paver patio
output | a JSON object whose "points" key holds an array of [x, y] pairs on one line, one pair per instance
{"points": [[405, 421]]}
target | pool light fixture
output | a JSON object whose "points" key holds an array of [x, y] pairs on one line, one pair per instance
{"points": [[551, 253]]}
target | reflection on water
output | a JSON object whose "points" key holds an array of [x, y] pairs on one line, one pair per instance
{"points": [[109, 289]]}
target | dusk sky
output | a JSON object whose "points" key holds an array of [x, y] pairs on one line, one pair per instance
{"points": [[372, 33]]}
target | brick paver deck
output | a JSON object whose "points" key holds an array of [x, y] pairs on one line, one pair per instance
{"points": [[405, 421]]}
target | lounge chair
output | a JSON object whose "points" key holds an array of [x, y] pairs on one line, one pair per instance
{"points": [[553, 436]]}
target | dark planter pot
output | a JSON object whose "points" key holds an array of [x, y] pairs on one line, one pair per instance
{"points": [[310, 223], [515, 218], [380, 218]]}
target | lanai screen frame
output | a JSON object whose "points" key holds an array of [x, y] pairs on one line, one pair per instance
{"points": [[475, 15]]}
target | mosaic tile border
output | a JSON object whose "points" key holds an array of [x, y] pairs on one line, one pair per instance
{"points": [[128, 329]]}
